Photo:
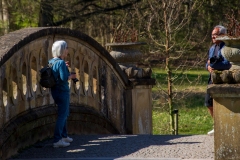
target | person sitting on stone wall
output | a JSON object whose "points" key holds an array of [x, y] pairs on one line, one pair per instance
{"points": [[216, 61]]}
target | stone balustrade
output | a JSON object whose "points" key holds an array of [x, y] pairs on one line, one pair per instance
{"points": [[104, 101]]}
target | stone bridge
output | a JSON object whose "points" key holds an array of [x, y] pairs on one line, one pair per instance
{"points": [[104, 101]]}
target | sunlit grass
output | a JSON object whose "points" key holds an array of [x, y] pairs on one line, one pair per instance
{"points": [[181, 80], [189, 89]]}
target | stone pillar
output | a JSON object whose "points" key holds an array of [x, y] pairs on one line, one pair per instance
{"points": [[142, 107], [226, 120], [139, 112], [226, 102]]}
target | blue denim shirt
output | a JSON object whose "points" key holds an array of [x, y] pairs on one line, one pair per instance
{"points": [[222, 65], [61, 73]]}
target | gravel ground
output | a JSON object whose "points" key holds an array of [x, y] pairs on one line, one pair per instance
{"points": [[121, 147]]}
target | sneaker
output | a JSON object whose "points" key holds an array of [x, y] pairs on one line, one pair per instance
{"points": [[210, 133], [67, 139], [60, 143]]}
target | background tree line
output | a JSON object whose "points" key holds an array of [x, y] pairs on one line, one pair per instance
{"points": [[177, 31], [101, 18]]}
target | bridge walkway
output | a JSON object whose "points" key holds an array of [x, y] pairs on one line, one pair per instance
{"points": [[123, 147]]}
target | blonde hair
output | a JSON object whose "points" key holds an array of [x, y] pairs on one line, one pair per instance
{"points": [[58, 47]]}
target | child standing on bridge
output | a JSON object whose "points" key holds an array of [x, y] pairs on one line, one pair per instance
{"points": [[60, 92]]}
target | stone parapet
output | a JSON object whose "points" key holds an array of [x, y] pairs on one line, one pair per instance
{"points": [[226, 76]]}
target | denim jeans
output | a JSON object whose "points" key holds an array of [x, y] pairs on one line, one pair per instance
{"points": [[61, 98]]}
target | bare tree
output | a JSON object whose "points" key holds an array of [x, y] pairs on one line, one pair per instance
{"points": [[173, 36]]}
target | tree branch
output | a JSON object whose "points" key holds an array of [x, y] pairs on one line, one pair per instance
{"points": [[104, 10]]}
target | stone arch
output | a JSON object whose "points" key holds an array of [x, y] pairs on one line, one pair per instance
{"points": [[14, 84], [34, 71], [24, 79], [5, 93], [35, 118], [77, 70], [95, 80], [86, 77]]}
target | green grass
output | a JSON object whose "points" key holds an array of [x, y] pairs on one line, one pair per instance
{"points": [[189, 91], [192, 78]]}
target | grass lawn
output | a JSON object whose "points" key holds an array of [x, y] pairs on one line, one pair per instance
{"points": [[189, 90]]}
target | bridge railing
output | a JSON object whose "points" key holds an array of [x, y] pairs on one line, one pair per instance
{"points": [[103, 101]]}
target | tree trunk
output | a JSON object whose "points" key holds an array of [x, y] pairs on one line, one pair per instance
{"points": [[1, 11], [168, 69], [5, 16], [45, 15], [71, 25]]}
